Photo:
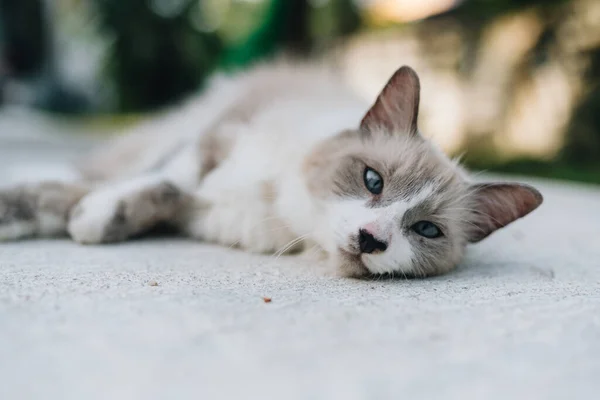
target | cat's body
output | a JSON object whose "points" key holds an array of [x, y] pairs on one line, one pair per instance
{"points": [[281, 158]]}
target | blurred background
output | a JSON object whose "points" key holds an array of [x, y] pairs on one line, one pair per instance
{"points": [[512, 84]]}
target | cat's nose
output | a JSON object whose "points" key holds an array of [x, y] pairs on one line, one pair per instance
{"points": [[368, 243]]}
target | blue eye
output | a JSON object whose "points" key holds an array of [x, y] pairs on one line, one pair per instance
{"points": [[373, 181], [427, 229]]}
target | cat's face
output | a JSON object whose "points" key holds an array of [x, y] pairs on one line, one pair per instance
{"points": [[393, 204]]}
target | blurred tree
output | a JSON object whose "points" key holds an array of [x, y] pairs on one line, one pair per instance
{"points": [[475, 15], [580, 157], [157, 56], [297, 26], [268, 34], [25, 48], [27, 56], [332, 20], [486, 9], [583, 144]]}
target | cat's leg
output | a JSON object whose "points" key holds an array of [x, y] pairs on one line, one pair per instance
{"points": [[37, 209], [126, 209], [133, 206], [118, 211]]}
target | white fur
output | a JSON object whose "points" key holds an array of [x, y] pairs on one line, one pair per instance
{"points": [[183, 170]]}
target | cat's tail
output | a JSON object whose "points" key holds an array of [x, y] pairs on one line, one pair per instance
{"points": [[37, 210]]}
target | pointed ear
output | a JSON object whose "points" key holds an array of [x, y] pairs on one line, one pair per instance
{"points": [[397, 107], [497, 205]]}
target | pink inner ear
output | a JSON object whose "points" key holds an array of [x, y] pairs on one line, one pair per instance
{"points": [[397, 107], [497, 205]]}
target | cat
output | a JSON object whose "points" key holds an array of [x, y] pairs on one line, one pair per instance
{"points": [[280, 158]]}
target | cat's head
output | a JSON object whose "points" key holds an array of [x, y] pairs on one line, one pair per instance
{"points": [[392, 203]]}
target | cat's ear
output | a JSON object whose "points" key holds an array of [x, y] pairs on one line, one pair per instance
{"points": [[498, 204], [397, 107]]}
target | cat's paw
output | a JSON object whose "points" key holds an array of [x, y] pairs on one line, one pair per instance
{"points": [[117, 213], [98, 218]]}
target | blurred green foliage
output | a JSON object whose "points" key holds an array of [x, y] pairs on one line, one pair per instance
{"points": [[23, 36], [160, 58], [155, 59], [583, 147], [481, 10]]}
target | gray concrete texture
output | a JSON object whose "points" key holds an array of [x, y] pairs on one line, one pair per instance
{"points": [[169, 318]]}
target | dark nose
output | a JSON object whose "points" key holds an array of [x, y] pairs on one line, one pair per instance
{"points": [[368, 244]]}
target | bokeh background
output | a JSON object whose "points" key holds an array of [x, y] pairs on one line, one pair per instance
{"points": [[511, 84]]}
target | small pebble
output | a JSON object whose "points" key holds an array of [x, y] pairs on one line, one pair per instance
{"points": [[152, 283]]}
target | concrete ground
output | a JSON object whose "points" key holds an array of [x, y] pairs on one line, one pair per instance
{"points": [[157, 319]]}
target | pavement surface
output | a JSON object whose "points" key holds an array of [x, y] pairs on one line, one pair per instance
{"points": [[169, 318]]}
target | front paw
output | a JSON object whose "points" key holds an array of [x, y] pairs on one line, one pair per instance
{"points": [[117, 213], [93, 221]]}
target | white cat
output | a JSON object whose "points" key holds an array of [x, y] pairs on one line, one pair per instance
{"points": [[282, 157]]}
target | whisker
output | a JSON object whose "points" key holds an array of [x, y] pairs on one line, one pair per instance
{"points": [[289, 245]]}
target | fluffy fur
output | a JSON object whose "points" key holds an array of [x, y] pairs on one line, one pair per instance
{"points": [[274, 160]]}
